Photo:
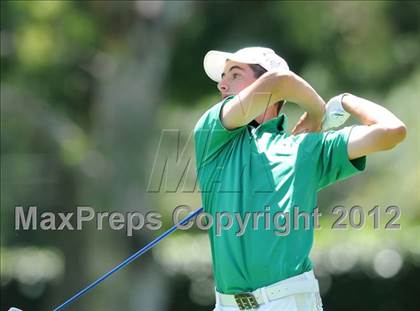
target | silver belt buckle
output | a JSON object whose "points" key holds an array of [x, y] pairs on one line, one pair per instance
{"points": [[246, 301]]}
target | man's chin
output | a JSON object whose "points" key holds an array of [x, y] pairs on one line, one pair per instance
{"points": [[225, 96]]}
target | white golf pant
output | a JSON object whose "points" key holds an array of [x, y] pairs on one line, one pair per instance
{"points": [[306, 300]]}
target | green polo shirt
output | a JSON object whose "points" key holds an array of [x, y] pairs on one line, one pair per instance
{"points": [[263, 171]]}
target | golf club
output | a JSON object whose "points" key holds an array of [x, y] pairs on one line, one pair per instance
{"points": [[124, 263]]}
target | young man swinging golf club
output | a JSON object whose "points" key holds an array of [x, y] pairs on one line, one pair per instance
{"points": [[248, 164]]}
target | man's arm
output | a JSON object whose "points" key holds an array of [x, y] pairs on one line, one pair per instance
{"points": [[381, 130], [269, 89]]}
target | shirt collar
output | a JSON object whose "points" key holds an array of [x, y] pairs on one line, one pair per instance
{"points": [[278, 124]]}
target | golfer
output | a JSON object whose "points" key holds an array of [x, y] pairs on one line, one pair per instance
{"points": [[248, 163]]}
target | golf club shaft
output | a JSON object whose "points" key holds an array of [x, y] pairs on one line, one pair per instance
{"points": [[128, 260]]}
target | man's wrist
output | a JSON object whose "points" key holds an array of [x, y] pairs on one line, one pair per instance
{"points": [[316, 109], [302, 93]]}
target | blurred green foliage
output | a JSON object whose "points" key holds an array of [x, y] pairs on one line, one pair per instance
{"points": [[86, 90]]}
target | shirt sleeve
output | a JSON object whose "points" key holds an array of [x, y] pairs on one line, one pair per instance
{"points": [[334, 163], [210, 135]]}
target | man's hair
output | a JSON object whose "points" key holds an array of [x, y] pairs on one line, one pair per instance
{"points": [[257, 69], [258, 72]]}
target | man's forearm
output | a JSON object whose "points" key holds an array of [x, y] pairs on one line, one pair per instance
{"points": [[297, 90], [369, 113], [380, 129], [267, 90]]}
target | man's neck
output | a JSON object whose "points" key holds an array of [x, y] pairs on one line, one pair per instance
{"points": [[271, 113]]}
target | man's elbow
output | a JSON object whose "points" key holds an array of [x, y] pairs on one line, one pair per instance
{"points": [[394, 135], [401, 132]]}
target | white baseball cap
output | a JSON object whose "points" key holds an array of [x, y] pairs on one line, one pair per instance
{"points": [[214, 61]]}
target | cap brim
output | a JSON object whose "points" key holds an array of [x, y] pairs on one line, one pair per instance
{"points": [[214, 64]]}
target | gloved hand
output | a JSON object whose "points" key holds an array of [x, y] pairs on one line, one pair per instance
{"points": [[335, 115]]}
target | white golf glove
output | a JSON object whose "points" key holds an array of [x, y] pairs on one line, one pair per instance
{"points": [[335, 115]]}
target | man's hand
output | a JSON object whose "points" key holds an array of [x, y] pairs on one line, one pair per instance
{"points": [[335, 115], [307, 124]]}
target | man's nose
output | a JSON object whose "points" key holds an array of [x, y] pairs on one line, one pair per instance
{"points": [[222, 87]]}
